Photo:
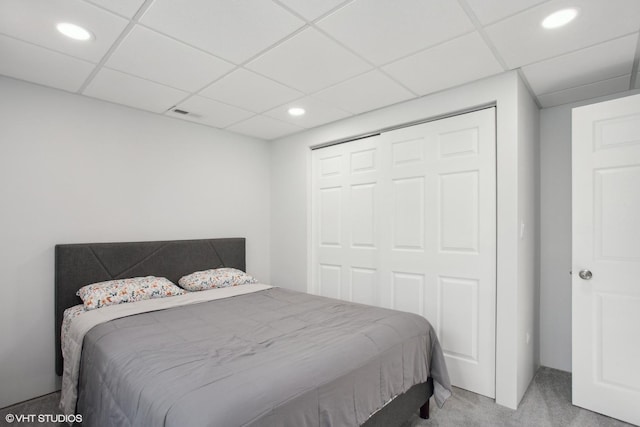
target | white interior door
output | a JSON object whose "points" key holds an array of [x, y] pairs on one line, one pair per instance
{"points": [[407, 220], [606, 258]]}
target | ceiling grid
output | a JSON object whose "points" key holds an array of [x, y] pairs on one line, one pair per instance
{"points": [[241, 65]]}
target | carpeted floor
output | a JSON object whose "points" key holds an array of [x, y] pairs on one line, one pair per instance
{"points": [[547, 403], [42, 405]]}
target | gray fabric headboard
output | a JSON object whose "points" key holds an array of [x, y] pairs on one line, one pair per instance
{"points": [[77, 265]]}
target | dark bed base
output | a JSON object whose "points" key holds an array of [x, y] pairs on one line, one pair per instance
{"points": [[424, 411], [400, 409], [77, 265]]}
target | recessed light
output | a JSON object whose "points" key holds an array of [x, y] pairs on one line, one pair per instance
{"points": [[74, 31], [560, 18], [296, 111]]}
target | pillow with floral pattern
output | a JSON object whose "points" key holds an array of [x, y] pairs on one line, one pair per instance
{"points": [[121, 291], [215, 278]]}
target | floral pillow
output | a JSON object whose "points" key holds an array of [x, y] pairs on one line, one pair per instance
{"points": [[121, 291], [215, 278]]}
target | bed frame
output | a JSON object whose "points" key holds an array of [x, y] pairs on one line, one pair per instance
{"points": [[77, 265]]}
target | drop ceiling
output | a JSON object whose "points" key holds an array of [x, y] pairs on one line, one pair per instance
{"points": [[240, 64]]}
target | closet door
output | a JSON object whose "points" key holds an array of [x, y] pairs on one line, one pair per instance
{"points": [[407, 220], [439, 259], [346, 221]]}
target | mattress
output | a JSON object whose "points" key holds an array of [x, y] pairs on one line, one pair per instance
{"points": [[272, 357]]}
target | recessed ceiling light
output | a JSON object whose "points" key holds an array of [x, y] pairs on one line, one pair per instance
{"points": [[296, 111], [74, 31], [560, 18]]}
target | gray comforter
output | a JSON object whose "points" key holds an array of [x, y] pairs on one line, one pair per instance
{"points": [[270, 358]]}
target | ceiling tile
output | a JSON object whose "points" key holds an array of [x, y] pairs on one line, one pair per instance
{"points": [[122, 88], [311, 10], [264, 128], [521, 40], [234, 30], [156, 57], [458, 61], [35, 21], [250, 91], [310, 61], [209, 112], [593, 90], [317, 113], [600, 62], [364, 93], [381, 30], [126, 8], [488, 11], [39, 65]]}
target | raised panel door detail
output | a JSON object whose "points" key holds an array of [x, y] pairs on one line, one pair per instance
{"points": [[617, 320], [408, 213], [330, 166], [363, 285], [616, 132], [363, 161], [330, 280], [458, 143], [458, 222], [410, 151], [458, 317], [617, 203], [330, 216], [408, 292], [605, 177], [362, 215]]}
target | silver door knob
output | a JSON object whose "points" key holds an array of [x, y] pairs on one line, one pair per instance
{"points": [[585, 274]]}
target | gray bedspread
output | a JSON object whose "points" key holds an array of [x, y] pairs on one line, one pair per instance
{"points": [[270, 358]]}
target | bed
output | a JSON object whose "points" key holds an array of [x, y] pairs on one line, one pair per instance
{"points": [[269, 357]]}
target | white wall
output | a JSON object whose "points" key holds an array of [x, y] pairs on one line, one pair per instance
{"points": [[555, 237], [290, 171], [555, 233], [75, 169], [528, 262]]}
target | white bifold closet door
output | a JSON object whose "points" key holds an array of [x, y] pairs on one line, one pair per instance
{"points": [[407, 220]]}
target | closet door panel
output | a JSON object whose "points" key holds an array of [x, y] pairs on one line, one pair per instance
{"points": [[345, 197]]}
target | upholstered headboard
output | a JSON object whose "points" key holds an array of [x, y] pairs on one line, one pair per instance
{"points": [[77, 265]]}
